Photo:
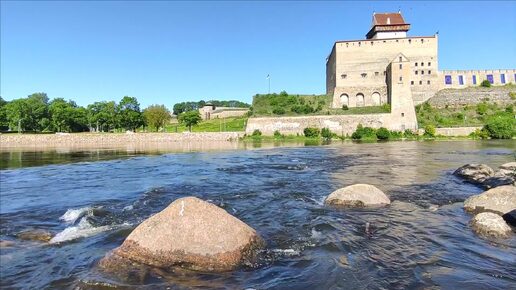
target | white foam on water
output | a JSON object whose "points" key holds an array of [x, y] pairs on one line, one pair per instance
{"points": [[71, 215], [287, 252], [129, 207], [81, 230]]}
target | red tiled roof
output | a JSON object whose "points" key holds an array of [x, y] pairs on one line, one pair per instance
{"points": [[388, 19]]}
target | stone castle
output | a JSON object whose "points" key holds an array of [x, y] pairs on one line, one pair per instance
{"points": [[357, 71], [388, 67]]}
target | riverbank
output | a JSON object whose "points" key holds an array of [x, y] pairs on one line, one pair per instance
{"points": [[9, 141]]}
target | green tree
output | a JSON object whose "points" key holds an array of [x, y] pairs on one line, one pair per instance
{"points": [[190, 119], [501, 126], [17, 114], [156, 116], [4, 124], [67, 116], [102, 116], [129, 114]]}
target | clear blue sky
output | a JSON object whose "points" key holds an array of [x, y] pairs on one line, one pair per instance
{"points": [[168, 52]]}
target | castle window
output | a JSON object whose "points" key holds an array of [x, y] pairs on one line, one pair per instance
{"points": [[416, 72], [376, 73], [502, 78], [401, 66], [490, 79], [422, 40], [427, 82], [359, 43], [429, 63], [422, 64], [360, 100], [474, 79], [422, 72], [429, 72], [447, 80], [372, 43], [420, 82], [410, 41], [363, 75], [461, 80], [412, 82], [403, 114], [347, 44], [416, 63], [343, 76], [401, 59], [401, 79]]}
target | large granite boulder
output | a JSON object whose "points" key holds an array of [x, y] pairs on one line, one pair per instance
{"points": [[357, 195], [189, 233], [508, 169], [501, 200], [490, 224], [475, 173]]}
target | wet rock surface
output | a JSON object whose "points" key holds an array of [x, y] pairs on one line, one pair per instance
{"points": [[190, 233], [490, 224], [501, 200], [357, 195]]}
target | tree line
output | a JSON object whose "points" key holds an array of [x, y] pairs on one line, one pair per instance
{"points": [[36, 113]]}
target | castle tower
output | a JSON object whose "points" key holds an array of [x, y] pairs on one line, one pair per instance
{"points": [[388, 25], [403, 115]]}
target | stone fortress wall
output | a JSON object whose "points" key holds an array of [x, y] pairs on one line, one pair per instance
{"points": [[212, 112], [459, 79]]}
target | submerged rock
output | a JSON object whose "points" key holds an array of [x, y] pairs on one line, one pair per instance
{"points": [[490, 224], [189, 233], [510, 217], [475, 173], [37, 235], [6, 244], [357, 195], [501, 199]]}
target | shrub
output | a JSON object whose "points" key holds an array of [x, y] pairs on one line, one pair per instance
{"points": [[479, 134], [383, 133], [364, 133], [311, 132], [429, 131], [485, 84], [394, 135], [277, 134], [500, 127], [302, 109], [408, 134], [345, 107], [278, 111], [326, 133], [482, 108], [509, 109], [512, 95], [257, 133]]}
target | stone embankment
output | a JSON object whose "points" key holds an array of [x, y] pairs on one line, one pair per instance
{"points": [[112, 139], [472, 96]]}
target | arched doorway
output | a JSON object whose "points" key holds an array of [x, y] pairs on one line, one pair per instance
{"points": [[376, 99], [360, 100], [344, 100]]}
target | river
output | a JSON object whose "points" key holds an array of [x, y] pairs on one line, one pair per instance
{"points": [[91, 200]]}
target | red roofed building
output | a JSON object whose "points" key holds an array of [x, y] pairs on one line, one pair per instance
{"points": [[388, 25]]}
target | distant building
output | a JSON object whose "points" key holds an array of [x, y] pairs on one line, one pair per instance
{"points": [[210, 111], [358, 71]]}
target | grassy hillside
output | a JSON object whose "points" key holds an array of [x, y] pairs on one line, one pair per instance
{"points": [[284, 104], [469, 115], [214, 125]]}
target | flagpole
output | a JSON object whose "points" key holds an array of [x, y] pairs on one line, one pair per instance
{"points": [[269, 78]]}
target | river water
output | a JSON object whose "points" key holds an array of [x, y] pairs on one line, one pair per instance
{"points": [[91, 200]]}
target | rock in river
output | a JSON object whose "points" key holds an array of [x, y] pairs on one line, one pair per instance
{"points": [[501, 200], [357, 195], [475, 173], [37, 235], [189, 233], [490, 224]]}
